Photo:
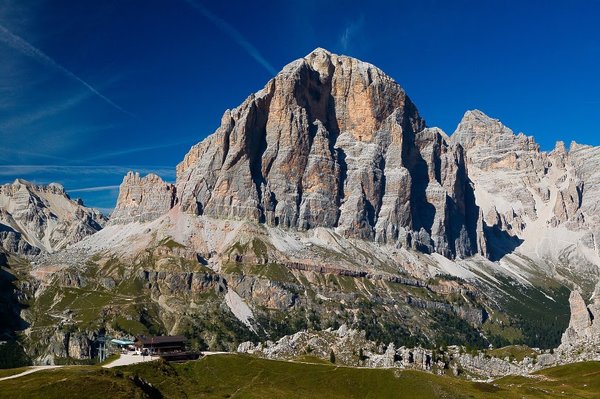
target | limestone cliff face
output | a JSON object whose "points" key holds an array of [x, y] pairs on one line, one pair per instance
{"points": [[507, 170], [526, 195], [334, 142], [516, 183], [36, 218], [142, 199], [584, 195]]}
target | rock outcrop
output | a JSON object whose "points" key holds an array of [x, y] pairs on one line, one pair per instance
{"points": [[36, 218], [334, 142], [350, 347], [583, 333], [142, 199]]}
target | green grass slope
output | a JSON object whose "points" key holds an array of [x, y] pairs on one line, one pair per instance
{"points": [[240, 376], [72, 382]]}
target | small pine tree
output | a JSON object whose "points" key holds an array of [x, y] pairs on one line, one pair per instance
{"points": [[332, 356]]}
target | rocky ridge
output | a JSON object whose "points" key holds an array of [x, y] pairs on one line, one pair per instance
{"points": [[350, 347], [527, 196], [35, 218]]}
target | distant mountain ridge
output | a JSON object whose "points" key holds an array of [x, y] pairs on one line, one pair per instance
{"points": [[35, 218]]}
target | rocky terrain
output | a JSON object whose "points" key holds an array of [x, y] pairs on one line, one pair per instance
{"points": [[323, 201], [579, 343], [581, 340], [350, 347], [36, 218]]}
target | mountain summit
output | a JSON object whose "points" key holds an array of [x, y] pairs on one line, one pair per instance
{"points": [[334, 142]]}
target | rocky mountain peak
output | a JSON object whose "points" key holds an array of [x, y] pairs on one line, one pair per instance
{"points": [[142, 199], [560, 148], [476, 129], [318, 51], [333, 142], [36, 218], [22, 184]]}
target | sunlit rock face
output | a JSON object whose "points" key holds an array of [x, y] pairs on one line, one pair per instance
{"points": [[583, 334], [142, 199], [334, 142], [35, 218]]}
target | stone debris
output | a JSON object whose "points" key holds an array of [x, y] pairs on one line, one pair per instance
{"points": [[351, 348]]}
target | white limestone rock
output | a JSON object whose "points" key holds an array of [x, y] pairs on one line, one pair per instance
{"points": [[35, 218], [142, 199]]}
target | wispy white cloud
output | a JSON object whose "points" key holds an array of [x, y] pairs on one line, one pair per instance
{"points": [[44, 112], [234, 34], [31, 51], [79, 170], [350, 32], [9, 155], [93, 189], [134, 150], [48, 145]]}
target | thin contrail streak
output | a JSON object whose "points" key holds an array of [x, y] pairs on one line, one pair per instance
{"points": [[137, 149], [52, 109], [12, 152], [29, 50], [234, 34], [93, 189], [80, 170]]}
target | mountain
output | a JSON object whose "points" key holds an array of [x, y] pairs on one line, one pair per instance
{"points": [[538, 204], [36, 218], [324, 201], [334, 142]]}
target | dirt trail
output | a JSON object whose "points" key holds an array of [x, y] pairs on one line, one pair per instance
{"points": [[31, 370]]}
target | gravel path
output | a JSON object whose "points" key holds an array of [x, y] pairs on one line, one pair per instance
{"points": [[31, 370], [125, 360]]}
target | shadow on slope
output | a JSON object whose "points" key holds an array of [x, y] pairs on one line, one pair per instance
{"points": [[500, 243], [11, 322]]}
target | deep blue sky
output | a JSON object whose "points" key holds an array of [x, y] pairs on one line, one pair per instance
{"points": [[89, 89]]}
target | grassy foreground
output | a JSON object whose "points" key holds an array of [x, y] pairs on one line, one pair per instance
{"points": [[239, 376]]}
